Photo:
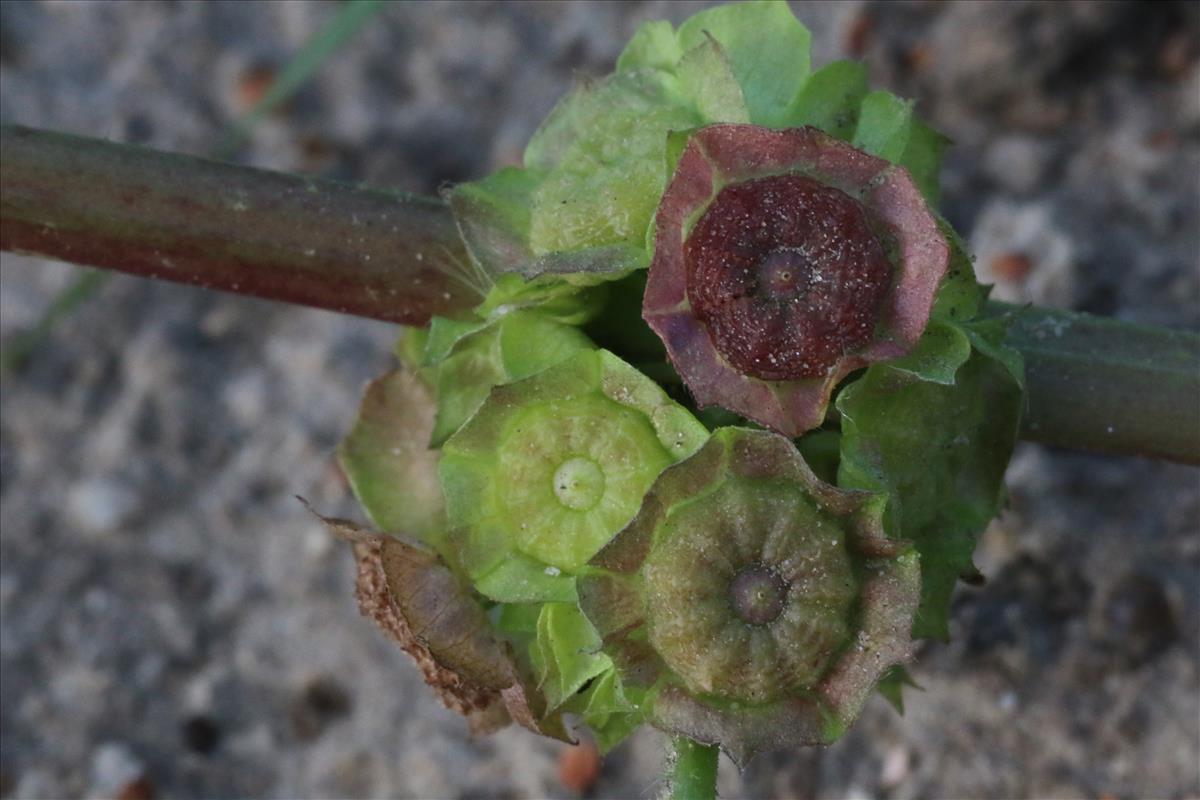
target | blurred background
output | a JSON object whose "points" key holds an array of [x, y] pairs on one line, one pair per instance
{"points": [[175, 625]]}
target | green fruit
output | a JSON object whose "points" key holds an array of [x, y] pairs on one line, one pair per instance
{"points": [[549, 468], [756, 605]]}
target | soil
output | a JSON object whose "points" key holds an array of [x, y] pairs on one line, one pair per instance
{"points": [[174, 624]]}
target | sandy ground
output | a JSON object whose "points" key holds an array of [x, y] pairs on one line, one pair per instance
{"points": [[174, 625]]}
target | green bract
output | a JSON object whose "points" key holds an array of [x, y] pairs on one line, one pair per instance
{"points": [[387, 459], [936, 431], [473, 356], [756, 605], [571, 674], [550, 467], [594, 147]]}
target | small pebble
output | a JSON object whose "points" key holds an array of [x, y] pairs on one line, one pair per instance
{"points": [[101, 505], [1013, 267], [895, 768], [579, 767], [253, 84], [919, 57], [140, 789], [1136, 619], [1176, 55], [858, 36], [322, 702], [1018, 162], [201, 734], [114, 766]]}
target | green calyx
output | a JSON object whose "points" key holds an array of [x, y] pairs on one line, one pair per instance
{"points": [[574, 676], [470, 357], [756, 605], [549, 468], [571, 472], [782, 576], [593, 147], [935, 431]]}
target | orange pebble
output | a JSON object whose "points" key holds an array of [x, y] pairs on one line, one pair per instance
{"points": [[859, 34], [140, 789], [579, 767], [919, 57], [253, 84], [1011, 267]]}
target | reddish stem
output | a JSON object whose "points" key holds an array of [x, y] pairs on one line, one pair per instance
{"points": [[1093, 383], [360, 251]]}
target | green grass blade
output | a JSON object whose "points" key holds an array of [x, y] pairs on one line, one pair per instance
{"points": [[25, 342], [327, 41]]}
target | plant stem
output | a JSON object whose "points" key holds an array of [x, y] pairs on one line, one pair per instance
{"points": [[360, 251], [693, 770], [1108, 386], [348, 20], [1093, 383]]}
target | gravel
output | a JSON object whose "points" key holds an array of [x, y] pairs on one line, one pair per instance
{"points": [[175, 625]]}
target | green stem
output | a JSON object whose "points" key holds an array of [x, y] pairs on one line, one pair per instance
{"points": [[1108, 386], [693, 770]]}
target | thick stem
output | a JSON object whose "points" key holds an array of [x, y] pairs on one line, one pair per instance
{"points": [[1093, 383], [360, 251], [1109, 386], [348, 20], [693, 770]]}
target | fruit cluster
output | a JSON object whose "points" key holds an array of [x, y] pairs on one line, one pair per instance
{"points": [[719, 437]]}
